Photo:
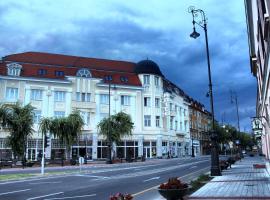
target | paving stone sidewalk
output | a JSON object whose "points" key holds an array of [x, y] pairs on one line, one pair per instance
{"points": [[240, 182]]}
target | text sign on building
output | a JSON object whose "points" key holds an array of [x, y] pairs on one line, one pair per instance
{"points": [[256, 124]]}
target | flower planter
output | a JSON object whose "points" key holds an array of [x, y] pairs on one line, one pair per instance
{"points": [[173, 194]]}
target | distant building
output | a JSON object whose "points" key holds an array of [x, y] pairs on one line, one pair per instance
{"points": [[56, 84], [258, 25], [200, 124]]}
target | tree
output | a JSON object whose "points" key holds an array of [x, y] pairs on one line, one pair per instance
{"points": [[66, 129], [18, 120], [114, 128]]}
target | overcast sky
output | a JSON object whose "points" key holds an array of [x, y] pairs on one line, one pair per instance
{"points": [[134, 30]]}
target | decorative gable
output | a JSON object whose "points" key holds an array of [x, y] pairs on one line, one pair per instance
{"points": [[14, 69]]}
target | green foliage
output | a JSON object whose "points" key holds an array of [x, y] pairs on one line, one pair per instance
{"points": [[115, 127], [67, 129], [18, 120], [199, 182], [229, 133]]}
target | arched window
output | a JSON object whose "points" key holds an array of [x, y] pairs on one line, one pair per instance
{"points": [[84, 73]]}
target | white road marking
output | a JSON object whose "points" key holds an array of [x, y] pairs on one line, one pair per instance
{"points": [[88, 195], [14, 192], [193, 167], [91, 176], [33, 179], [38, 197], [44, 183], [150, 179]]}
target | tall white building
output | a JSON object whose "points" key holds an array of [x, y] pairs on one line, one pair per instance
{"points": [[56, 84], [258, 26]]}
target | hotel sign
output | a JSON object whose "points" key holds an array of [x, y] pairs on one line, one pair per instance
{"points": [[257, 126]]}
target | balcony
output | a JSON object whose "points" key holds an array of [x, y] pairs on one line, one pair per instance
{"points": [[180, 134]]}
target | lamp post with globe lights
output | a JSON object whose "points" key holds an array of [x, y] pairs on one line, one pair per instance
{"points": [[202, 22]]}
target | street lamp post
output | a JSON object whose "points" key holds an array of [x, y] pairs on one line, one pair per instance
{"points": [[215, 170], [192, 146], [234, 99], [109, 156]]}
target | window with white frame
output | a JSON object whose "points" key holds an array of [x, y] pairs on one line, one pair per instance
{"points": [[147, 101], [181, 126], [59, 114], [59, 96], [176, 125], [36, 94], [156, 81], [84, 73], [171, 123], [147, 120], [86, 117], [14, 69], [171, 107], [83, 97], [37, 116], [104, 99], [185, 125], [157, 102], [12, 93], [157, 121], [125, 100], [146, 79]]}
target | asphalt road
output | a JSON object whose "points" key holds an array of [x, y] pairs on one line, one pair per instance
{"points": [[100, 181]]}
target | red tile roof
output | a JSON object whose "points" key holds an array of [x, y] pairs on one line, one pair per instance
{"points": [[74, 61], [33, 61]]}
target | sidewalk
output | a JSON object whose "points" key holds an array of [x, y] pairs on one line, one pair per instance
{"points": [[240, 182]]}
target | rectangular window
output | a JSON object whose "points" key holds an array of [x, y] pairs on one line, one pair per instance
{"points": [[171, 123], [147, 120], [156, 81], [36, 94], [181, 126], [78, 96], [125, 100], [59, 96], [88, 97], [176, 125], [157, 102], [84, 97], [37, 116], [146, 79], [104, 99], [12, 93], [42, 72], [147, 102], [59, 114], [157, 121], [171, 107], [59, 73]]}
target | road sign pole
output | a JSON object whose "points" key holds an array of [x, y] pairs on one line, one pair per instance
{"points": [[42, 159]]}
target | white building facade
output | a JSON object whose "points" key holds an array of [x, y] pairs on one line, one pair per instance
{"points": [[57, 84], [258, 26]]}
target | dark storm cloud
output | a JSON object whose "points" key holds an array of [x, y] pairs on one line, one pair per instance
{"points": [[122, 30]]}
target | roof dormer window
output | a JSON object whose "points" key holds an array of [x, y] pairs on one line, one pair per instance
{"points": [[84, 73], [14, 69]]}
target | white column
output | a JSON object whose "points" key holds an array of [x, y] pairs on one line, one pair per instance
{"points": [[140, 145], [94, 146], [159, 146]]}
